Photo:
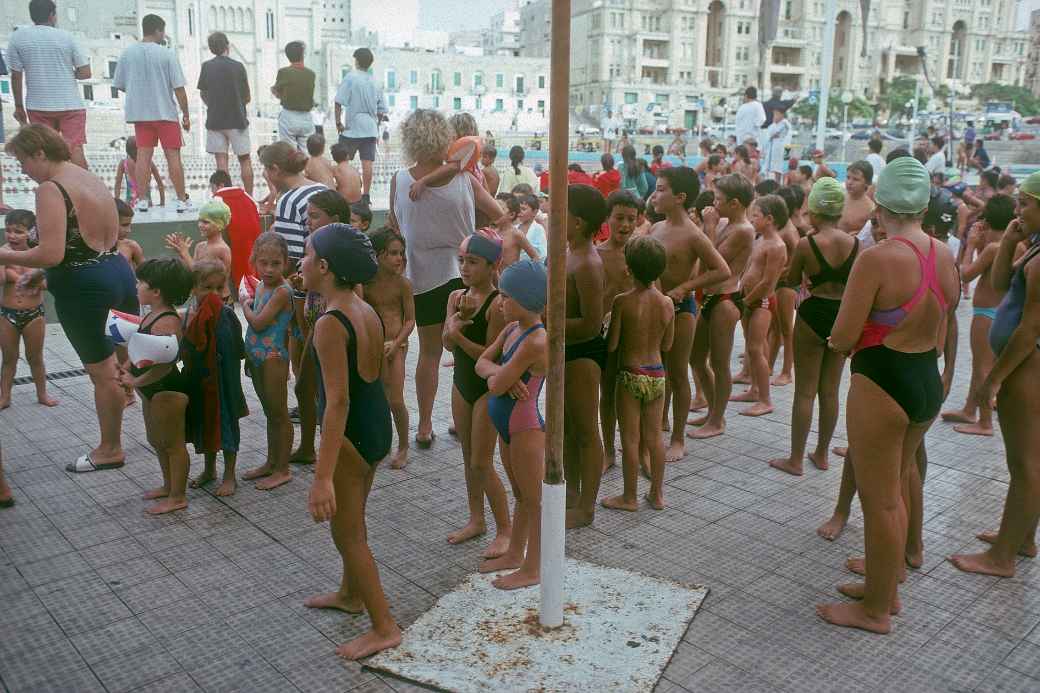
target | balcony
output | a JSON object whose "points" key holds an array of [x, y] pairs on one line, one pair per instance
{"points": [[789, 36], [656, 62]]}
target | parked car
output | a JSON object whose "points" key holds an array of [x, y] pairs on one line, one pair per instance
{"points": [[1023, 136]]}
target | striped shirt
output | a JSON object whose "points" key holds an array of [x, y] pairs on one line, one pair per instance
{"points": [[290, 218], [49, 58]]}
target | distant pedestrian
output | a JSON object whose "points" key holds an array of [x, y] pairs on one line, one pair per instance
{"points": [[224, 88], [294, 87], [750, 116], [49, 61], [359, 100], [151, 77]]}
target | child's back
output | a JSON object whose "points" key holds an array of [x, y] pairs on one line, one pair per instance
{"points": [[348, 181], [645, 315]]}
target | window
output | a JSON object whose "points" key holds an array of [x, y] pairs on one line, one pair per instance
{"points": [[435, 81], [112, 68], [456, 103], [413, 102], [520, 104], [499, 105], [480, 103], [519, 84], [5, 87], [787, 9], [391, 100], [906, 19], [661, 99], [541, 106], [541, 81], [391, 80], [456, 79], [478, 80], [413, 77], [596, 21], [191, 21], [270, 24], [500, 80], [114, 92], [631, 97], [436, 102], [88, 92]]}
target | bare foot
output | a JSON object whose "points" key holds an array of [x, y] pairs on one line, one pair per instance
{"points": [[498, 546], [699, 404], [832, 528], [608, 459], [274, 480], [227, 488], [503, 562], [958, 416], [742, 378], [579, 518], [983, 564], [656, 502], [781, 380], [859, 567], [1028, 549], [517, 580], [840, 452], [202, 479], [620, 503], [697, 420], [302, 458], [167, 505], [400, 460], [819, 461], [5, 403], [370, 643], [914, 558], [749, 395], [856, 590], [758, 409], [261, 471], [706, 432], [853, 616], [675, 452], [785, 464], [47, 401], [974, 429], [471, 530], [333, 600], [155, 493]]}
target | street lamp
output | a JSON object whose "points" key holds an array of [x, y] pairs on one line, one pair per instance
{"points": [[846, 99]]}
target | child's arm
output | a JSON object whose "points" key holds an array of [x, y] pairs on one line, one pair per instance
{"points": [[973, 268], [159, 184], [407, 314], [774, 265], [450, 326], [530, 352], [182, 246], [328, 341], [669, 334], [487, 363], [279, 302], [614, 331], [119, 181], [710, 268], [794, 272], [169, 325], [483, 200], [529, 248], [136, 254], [442, 174]]}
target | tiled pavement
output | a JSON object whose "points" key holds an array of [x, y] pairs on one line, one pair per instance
{"points": [[94, 595]]}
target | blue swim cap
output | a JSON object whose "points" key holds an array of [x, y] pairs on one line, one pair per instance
{"points": [[348, 251], [526, 282], [482, 246]]}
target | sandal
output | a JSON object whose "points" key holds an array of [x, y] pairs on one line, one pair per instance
{"points": [[84, 464]]}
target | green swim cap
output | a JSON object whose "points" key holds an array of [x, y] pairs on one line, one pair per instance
{"points": [[1031, 185], [827, 198], [216, 212], [904, 186]]}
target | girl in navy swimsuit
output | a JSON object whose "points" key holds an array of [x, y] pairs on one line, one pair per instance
{"points": [[348, 346], [474, 319], [515, 366]]}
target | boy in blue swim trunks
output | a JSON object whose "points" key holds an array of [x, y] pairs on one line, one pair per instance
{"points": [[585, 354], [642, 327]]}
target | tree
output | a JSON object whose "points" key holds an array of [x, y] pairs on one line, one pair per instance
{"points": [[859, 108], [898, 93], [1025, 102]]}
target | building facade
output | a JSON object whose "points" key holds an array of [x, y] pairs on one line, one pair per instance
{"points": [[665, 60], [1032, 76], [502, 36]]}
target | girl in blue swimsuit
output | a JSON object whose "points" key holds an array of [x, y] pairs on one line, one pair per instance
{"points": [[474, 319], [348, 346], [515, 366]]}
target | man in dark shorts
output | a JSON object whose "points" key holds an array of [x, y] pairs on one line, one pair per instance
{"points": [[359, 100]]}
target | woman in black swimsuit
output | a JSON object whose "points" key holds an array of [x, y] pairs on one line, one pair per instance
{"points": [[78, 229], [825, 257]]}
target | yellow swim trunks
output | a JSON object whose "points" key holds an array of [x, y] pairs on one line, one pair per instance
{"points": [[645, 383]]}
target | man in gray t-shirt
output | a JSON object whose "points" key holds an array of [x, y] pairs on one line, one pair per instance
{"points": [[151, 77], [49, 61], [362, 101]]}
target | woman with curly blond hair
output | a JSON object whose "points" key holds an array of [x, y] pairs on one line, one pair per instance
{"points": [[433, 225]]}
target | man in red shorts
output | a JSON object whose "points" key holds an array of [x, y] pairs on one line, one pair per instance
{"points": [[49, 61], [152, 78]]}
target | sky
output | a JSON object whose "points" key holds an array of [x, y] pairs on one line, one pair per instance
{"points": [[433, 15]]}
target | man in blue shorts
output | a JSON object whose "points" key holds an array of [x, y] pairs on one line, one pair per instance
{"points": [[359, 100]]}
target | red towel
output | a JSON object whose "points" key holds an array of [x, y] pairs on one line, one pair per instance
{"points": [[201, 333]]}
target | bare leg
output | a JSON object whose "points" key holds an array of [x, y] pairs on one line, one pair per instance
{"points": [[209, 471], [33, 335], [6, 500], [982, 359], [785, 320], [832, 528], [154, 434], [393, 384], [143, 171], [721, 326], [1019, 407], [229, 484], [109, 402], [271, 377], [176, 169], [581, 407], [702, 375], [629, 410], [808, 362], [529, 446], [246, 164], [167, 412], [652, 447], [677, 369], [514, 555], [462, 414], [758, 366], [830, 384], [427, 373], [366, 176], [221, 161], [607, 413], [10, 345], [482, 462], [307, 402]]}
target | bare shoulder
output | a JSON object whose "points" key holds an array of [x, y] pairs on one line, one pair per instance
{"points": [[404, 285]]}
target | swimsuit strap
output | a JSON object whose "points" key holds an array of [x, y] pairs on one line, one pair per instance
{"points": [[160, 316], [825, 266], [70, 209], [509, 354], [353, 371], [929, 276], [846, 267]]}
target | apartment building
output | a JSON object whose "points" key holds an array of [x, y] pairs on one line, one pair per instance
{"points": [[1032, 76]]}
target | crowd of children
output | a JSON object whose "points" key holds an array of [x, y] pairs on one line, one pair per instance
{"points": [[676, 268]]}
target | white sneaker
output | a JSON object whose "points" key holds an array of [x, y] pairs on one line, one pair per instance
{"points": [[184, 206], [142, 205]]}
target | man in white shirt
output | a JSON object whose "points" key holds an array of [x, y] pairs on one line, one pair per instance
{"points": [[874, 158], [750, 116], [937, 160], [50, 61], [152, 79]]}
